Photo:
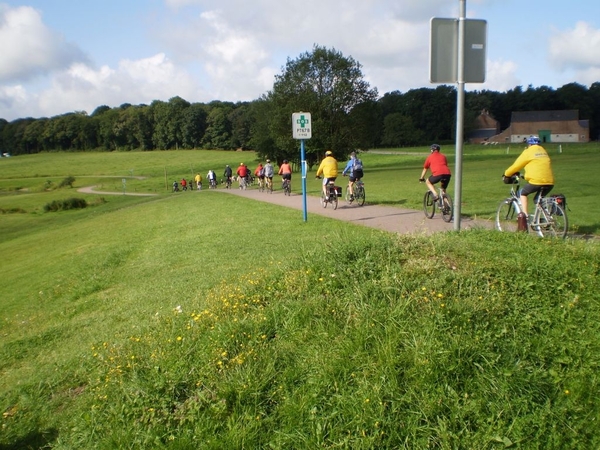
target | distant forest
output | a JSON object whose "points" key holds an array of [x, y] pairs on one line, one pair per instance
{"points": [[417, 117]]}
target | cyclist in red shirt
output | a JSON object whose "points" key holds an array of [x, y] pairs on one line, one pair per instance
{"points": [[438, 164], [242, 173]]}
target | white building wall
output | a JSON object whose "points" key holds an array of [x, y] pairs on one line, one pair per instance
{"points": [[555, 138]]}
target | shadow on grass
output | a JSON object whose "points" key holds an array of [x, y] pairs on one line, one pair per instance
{"points": [[35, 440], [593, 229]]}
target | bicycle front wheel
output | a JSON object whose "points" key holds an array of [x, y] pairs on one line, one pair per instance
{"points": [[360, 195], [348, 196], [323, 200], [553, 223], [506, 216], [447, 209], [428, 205]]}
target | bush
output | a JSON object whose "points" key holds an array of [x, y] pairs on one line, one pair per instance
{"points": [[67, 182], [64, 205]]}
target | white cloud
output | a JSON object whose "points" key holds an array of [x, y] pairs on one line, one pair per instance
{"points": [[500, 76], [577, 48], [29, 48], [142, 81]]}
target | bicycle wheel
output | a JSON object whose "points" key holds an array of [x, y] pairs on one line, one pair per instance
{"points": [[348, 197], [323, 201], [447, 209], [428, 205], [288, 189], [506, 216], [360, 195], [333, 198], [553, 223]]}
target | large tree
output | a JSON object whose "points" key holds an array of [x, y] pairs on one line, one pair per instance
{"points": [[326, 84]]}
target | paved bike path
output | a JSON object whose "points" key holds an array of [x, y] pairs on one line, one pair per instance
{"points": [[387, 218]]}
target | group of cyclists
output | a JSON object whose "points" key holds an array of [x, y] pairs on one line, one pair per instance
{"points": [[534, 159]]}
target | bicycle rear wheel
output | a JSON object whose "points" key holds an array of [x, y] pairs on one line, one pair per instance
{"points": [[553, 223], [360, 195], [333, 198], [428, 205], [506, 216], [447, 209]]}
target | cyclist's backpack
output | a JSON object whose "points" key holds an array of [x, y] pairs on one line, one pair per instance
{"points": [[268, 171], [261, 172], [357, 168]]}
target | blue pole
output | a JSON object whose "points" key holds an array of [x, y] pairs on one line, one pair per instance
{"points": [[303, 164]]}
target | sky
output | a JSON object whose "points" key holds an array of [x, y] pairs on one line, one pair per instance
{"points": [[61, 56]]}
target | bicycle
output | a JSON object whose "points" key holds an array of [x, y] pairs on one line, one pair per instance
{"points": [[269, 181], [331, 197], [358, 192], [228, 183], [548, 220], [213, 183], [443, 203], [286, 185], [261, 184]]}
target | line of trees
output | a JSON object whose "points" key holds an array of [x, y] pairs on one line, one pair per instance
{"points": [[347, 114]]}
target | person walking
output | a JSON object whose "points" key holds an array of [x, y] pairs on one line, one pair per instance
{"points": [[242, 173]]}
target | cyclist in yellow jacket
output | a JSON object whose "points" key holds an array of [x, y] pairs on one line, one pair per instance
{"points": [[538, 170], [328, 169]]}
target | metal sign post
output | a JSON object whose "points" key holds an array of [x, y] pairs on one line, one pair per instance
{"points": [[302, 129], [458, 52]]}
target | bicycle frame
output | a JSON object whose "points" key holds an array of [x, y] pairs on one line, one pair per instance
{"points": [[543, 222]]}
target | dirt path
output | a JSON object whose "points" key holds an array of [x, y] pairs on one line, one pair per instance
{"points": [[91, 190], [388, 218]]}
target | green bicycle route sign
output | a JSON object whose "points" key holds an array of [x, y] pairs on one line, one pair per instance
{"points": [[301, 125]]}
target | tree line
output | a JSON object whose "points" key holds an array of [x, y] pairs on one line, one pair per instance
{"points": [[347, 114]]}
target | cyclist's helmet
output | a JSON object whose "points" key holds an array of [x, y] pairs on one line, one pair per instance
{"points": [[434, 148], [353, 154], [268, 160], [328, 153], [533, 140], [285, 161]]}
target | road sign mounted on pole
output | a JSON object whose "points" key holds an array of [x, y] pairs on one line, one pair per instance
{"points": [[443, 66], [301, 125], [302, 129]]}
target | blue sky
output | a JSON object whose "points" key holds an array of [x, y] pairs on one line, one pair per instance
{"points": [[60, 56]]}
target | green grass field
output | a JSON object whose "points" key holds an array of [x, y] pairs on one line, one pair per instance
{"points": [[203, 320]]}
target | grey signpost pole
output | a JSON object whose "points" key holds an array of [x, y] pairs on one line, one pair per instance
{"points": [[458, 56], [460, 114]]}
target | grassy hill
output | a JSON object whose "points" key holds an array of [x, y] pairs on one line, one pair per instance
{"points": [[202, 320]]}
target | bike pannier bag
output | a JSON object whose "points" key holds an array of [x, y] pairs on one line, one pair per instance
{"points": [[561, 200]]}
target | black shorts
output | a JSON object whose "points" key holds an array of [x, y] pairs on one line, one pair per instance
{"points": [[538, 189], [286, 176], [445, 179]]}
